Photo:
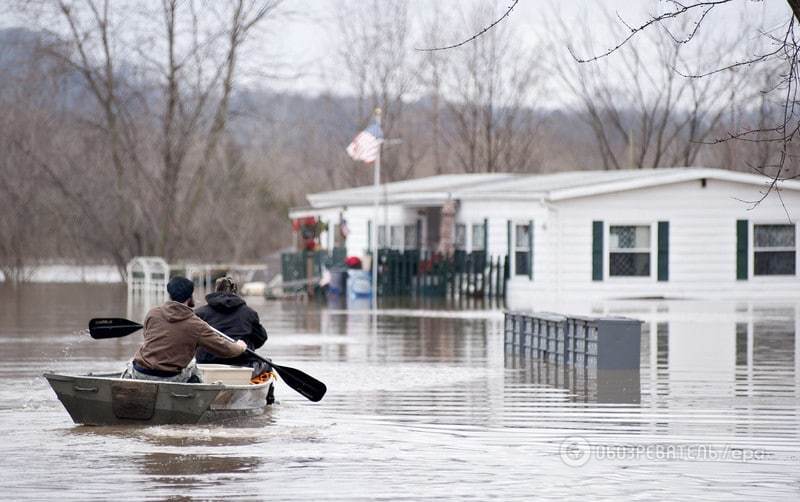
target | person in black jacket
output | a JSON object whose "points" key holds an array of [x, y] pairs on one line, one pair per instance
{"points": [[228, 312]]}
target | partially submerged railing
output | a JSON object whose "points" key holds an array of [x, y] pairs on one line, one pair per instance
{"points": [[605, 343], [422, 273], [409, 273]]}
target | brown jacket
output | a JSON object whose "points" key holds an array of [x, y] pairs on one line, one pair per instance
{"points": [[172, 334]]}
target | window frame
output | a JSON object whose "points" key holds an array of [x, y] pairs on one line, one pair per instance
{"points": [[412, 227], [652, 276], [395, 229], [751, 251], [382, 242], [399, 230], [513, 258], [471, 235], [466, 245]]}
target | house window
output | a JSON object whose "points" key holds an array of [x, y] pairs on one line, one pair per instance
{"points": [[410, 237], [522, 250], [478, 237], [461, 236], [382, 236], [774, 250], [629, 251], [396, 237]]}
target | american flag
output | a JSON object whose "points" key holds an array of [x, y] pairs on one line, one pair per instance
{"points": [[366, 145]]}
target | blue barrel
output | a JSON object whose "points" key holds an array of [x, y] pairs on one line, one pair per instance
{"points": [[359, 283]]}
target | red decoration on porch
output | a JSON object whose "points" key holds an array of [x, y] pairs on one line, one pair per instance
{"points": [[309, 229]]}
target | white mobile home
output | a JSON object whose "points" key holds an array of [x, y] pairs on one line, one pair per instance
{"points": [[666, 233]]}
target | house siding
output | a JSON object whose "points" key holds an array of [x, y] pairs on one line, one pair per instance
{"points": [[702, 244], [701, 258]]}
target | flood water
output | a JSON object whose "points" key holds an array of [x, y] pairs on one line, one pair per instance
{"points": [[422, 404]]}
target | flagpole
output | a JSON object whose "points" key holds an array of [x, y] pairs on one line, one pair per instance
{"points": [[376, 215]]}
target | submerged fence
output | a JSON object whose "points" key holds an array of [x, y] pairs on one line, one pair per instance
{"points": [[588, 342]]}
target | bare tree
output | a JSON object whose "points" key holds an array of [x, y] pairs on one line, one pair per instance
{"points": [[375, 38], [641, 112], [31, 222], [158, 86], [780, 47], [431, 75], [490, 87]]}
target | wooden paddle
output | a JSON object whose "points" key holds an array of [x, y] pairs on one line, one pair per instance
{"points": [[311, 388]]}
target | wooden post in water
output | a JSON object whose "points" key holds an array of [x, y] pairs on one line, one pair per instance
{"points": [[471, 274], [426, 290], [395, 262], [400, 272], [491, 269], [410, 272], [451, 278], [423, 272], [407, 260], [401, 286], [417, 272], [460, 272]]}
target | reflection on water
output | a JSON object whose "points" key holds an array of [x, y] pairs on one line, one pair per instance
{"points": [[584, 384], [421, 403]]}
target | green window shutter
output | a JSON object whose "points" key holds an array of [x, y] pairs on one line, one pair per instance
{"points": [[663, 250], [508, 235], [419, 234], [530, 250], [741, 250], [369, 236], [486, 236], [597, 250]]}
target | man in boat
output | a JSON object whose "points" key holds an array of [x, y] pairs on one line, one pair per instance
{"points": [[229, 313], [172, 335]]}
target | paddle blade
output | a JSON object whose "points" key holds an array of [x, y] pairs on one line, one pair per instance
{"points": [[111, 327], [311, 388]]}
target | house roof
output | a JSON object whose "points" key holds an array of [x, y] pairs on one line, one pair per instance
{"points": [[431, 187], [548, 187]]}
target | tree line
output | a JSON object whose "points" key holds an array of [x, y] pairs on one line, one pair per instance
{"points": [[135, 128]]}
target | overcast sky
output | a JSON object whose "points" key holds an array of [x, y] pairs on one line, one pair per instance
{"points": [[303, 39]]}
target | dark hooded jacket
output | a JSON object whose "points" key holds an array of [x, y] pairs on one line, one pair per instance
{"points": [[230, 314]]}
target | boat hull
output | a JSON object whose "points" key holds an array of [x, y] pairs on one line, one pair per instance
{"points": [[109, 400]]}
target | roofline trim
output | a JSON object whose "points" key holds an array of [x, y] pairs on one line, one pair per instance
{"points": [[667, 179], [366, 195]]}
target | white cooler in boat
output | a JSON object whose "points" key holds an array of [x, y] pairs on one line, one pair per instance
{"points": [[228, 375]]}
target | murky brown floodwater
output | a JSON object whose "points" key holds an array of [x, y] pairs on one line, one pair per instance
{"points": [[425, 404]]}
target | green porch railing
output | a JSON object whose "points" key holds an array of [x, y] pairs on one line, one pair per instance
{"points": [[408, 273], [421, 273]]}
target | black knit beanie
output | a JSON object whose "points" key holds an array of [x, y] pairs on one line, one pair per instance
{"points": [[180, 288]]}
